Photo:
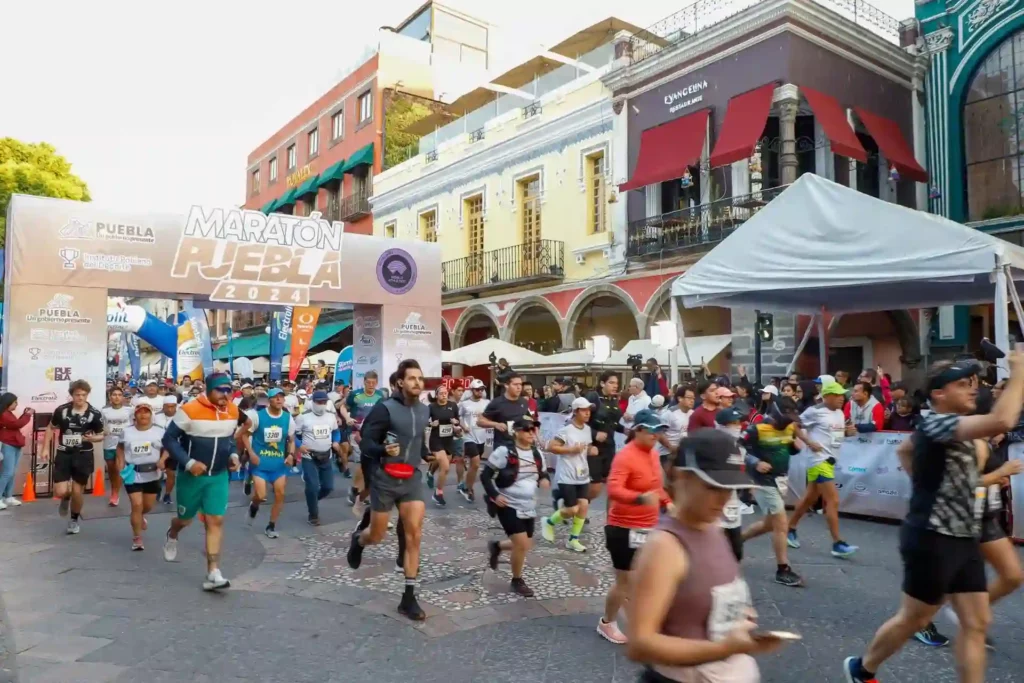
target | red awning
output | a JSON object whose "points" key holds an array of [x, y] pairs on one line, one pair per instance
{"points": [[892, 144], [667, 150], [832, 117], [744, 122]]}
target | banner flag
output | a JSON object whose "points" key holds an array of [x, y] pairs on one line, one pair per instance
{"points": [[343, 368], [122, 354], [195, 353], [231, 351], [132, 347], [303, 326], [280, 329]]}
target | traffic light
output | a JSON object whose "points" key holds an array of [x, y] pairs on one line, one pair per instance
{"points": [[765, 326]]}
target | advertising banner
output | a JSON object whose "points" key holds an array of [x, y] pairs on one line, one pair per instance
{"points": [[280, 326], [870, 478], [195, 353], [303, 326], [343, 366], [54, 335], [131, 344], [122, 355], [1016, 452], [367, 345], [412, 332]]}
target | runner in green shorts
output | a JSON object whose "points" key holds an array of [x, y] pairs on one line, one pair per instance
{"points": [[207, 494]]}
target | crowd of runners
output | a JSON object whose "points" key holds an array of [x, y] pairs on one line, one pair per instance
{"points": [[678, 478]]}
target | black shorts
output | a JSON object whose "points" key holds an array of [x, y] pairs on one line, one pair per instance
{"points": [[386, 491], [992, 529], [513, 525], [616, 540], [438, 444], [472, 449], [935, 565], [735, 537], [572, 493], [601, 464], [73, 466], [149, 487]]}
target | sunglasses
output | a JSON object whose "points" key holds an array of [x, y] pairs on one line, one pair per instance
{"points": [[223, 390]]}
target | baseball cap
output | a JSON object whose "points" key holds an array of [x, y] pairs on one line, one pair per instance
{"points": [[563, 381], [523, 424], [771, 389], [581, 402], [721, 392], [832, 389], [715, 457], [143, 406], [247, 386], [301, 393], [658, 401], [320, 396], [648, 420], [276, 391], [728, 416], [477, 384], [151, 382], [824, 379], [170, 399]]}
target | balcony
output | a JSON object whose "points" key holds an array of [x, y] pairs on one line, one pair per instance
{"points": [[535, 262], [696, 228], [350, 208]]}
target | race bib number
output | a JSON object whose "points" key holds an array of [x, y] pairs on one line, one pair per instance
{"points": [[637, 537], [510, 423], [730, 607], [731, 513], [582, 470], [272, 434], [71, 440], [117, 430], [783, 484], [979, 501], [141, 448], [445, 431], [837, 439], [995, 497], [321, 432]]}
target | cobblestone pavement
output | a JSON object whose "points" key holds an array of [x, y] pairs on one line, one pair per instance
{"points": [[85, 608]]}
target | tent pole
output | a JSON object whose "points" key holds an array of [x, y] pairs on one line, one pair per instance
{"points": [[677, 320], [803, 343], [1012, 288], [1002, 322], [822, 344]]}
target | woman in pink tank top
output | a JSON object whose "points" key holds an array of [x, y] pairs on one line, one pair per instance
{"points": [[690, 614]]}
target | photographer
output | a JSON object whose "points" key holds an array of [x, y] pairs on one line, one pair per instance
{"points": [[654, 379]]}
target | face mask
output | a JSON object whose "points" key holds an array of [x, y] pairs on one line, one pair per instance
{"points": [[319, 409]]}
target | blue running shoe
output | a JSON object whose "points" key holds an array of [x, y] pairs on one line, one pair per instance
{"points": [[843, 549], [791, 540], [430, 480], [931, 637], [854, 672]]}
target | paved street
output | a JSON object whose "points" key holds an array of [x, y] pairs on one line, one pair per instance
{"points": [[87, 609]]}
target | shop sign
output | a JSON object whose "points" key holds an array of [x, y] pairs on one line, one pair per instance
{"points": [[295, 179], [685, 97]]}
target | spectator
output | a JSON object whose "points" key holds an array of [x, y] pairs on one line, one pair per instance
{"points": [[561, 398], [789, 390], [808, 395], [879, 383], [703, 416], [638, 400], [864, 412], [531, 400], [903, 418], [726, 396], [898, 391], [794, 378], [768, 397], [843, 378], [655, 382], [743, 402], [504, 372]]}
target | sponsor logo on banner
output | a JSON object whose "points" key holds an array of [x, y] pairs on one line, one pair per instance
{"points": [[45, 397], [860, 470], [860, 488], [38, 334], [396, 271], [59, 310], [60, 373], [374, 359], [303, 327], [414, 326], [363, 360], [881, 470], [76, 229], [255, 258], [70, 257], [888, 492], [367, 322], [367, 340]]}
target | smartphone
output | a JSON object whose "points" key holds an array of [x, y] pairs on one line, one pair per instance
{"points": [[775, 635]]}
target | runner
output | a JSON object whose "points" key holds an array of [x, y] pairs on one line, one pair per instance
{"points": [[139, 452], [690, 611], [315, 429], [825, 426], [769, 445], [605, 421], [76, 426], [703, 416], [271, 451], [116, 416], [357, 407], [444, 422], [151, 396], [573, 444], [393, 438], [511, 476], [503, 411], [470, 411], [199, 443], [455, 395], [635, 494], [939, 539]]}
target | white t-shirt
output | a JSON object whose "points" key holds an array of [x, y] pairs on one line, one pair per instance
{"points": [[156, 403], [522, 494], [315, 430], [635, 404], [115, 420], [573, 469], [469, 414], [143, 448], [677, 421], [828, 428], [333, 397], [291, 402], [161, 420]]}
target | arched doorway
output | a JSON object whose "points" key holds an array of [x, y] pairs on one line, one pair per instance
{"points": [[446, 339], [889, 339], [697, 322], [476, 324], [603, 310], [533, 323]]}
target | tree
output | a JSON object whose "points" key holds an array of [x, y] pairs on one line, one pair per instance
{"points": [[36, 169], [402, 112]]}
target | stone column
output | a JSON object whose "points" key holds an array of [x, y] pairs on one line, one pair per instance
{"points": [[788, 109], [920, 143]]}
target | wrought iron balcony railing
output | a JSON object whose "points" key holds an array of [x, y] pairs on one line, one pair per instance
{"points": [[541, 260], [695, 228]]}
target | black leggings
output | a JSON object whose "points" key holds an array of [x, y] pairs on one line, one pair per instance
{"points": [[735, 537]]}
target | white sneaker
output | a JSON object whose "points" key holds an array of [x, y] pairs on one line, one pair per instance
{"points": [[73, 528], [171, 549], [3, 505], [746, 509], [215, 581], [13, 502], [358, 509]]}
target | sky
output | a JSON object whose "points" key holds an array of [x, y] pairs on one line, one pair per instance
{"points": [[157, 105]]}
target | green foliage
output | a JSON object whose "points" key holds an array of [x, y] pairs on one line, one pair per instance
{"points": [[36, 169], [401, 113]]}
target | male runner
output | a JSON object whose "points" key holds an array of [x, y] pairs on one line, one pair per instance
{"points": [[605, 421], [825, 424], [271, 451], [573, 445], [200, 443], [76, 426], [358, 406], [315, 429], [151, 396], [393, 436], [458, 443], [161, 420], [939, 540], [116, 416], [504, 410], [470, 412]]}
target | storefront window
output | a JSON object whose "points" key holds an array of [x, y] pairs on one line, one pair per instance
{"points": [[993, 129]]}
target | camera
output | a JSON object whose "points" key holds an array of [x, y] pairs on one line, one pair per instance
{"points": [[635, 361], [493, 359]]}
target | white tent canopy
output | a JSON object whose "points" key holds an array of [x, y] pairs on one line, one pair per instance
{"points": [[700, 348], [823, 245], [479, 352]]}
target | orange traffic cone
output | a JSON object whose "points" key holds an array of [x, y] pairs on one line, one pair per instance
{"points": [[98, 490], [28, 494]]}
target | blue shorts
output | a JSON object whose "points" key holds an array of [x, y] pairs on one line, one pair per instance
{"points": [[271, 475], [109, 454]]}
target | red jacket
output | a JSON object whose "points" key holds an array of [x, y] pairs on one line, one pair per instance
{"points": [[10, 428]]}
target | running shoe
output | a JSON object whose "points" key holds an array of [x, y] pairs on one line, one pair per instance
{"points": [[746, 509], [853, 671], [215, 581], [931, 637], [430, 480], [253, 511], [466, 495], [137, 544], [391, 525], [74, 527], [145, 524], [347, 474], [167, 498], [610, 632], [410, 608], [547, 530], [574, 545], [438, 499], [170, 548], [787, 577], [843, 549], [12, 502], [352, 496], [493, 552], [358, 507], [3, 505], [519, 587], [271, 532], [313, 521], [399, 568], [355, 552], [65, 505], [114, 500], [247, 487], [791, 540]]}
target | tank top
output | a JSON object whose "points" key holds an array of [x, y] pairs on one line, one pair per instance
{"points": [[270, 438], [709, 603]]}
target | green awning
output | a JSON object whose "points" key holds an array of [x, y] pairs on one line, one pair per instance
{"points": [[269, 206], [308, 187], [326, 331], [245, 347], [273, 206], [334, 172], [288, 199], [364, 157]]}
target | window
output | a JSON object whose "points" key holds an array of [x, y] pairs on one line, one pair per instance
{"points": [[361, 183], [338, 125], [993, 130], [273, 169], [365, 107], [428, 226], [256, 181], [313, 137], [474, 211], [595, 186], [291, 157], [389, 229]]}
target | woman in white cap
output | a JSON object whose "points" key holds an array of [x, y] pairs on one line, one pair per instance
{"points": [[141, 458]]}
